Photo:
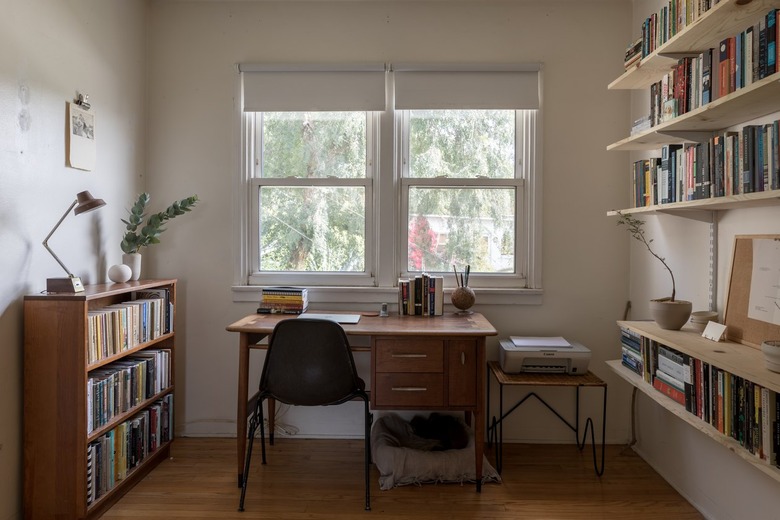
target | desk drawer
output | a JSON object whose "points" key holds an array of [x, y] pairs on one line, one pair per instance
{"points": [[409, 355], [408, 390]]}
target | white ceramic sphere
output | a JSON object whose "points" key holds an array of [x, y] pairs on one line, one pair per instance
{"points": [[119, 273]]}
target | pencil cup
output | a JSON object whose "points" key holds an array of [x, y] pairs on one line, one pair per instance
{"points": [[463, 298]]}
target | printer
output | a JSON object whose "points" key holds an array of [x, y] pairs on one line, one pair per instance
{"points": [[550, 355]]}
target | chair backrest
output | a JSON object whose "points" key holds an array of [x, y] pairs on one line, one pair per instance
{"points": [[309, 363]]}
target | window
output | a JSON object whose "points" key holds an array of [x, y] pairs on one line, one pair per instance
{"points": [[462, 189], [311, 197], [453, 181]]}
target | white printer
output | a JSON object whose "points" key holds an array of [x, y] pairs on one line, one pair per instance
{"points": [[543, 354]]}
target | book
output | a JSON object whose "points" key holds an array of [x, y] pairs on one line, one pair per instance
{"points": [[669, 391], [724, 67], [706, 77]]}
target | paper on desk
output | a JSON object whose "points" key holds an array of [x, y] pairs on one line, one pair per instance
{"points": [[539, 341]]}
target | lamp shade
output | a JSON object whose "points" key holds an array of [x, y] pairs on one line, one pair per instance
{"points": [[86, 202]]}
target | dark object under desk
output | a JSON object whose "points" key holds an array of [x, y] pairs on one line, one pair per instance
{"points": [[495, 428]]}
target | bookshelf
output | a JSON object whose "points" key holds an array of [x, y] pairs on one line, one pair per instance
{"points": [[59, 363], [757, 99], [738, 359], [720, 21]]}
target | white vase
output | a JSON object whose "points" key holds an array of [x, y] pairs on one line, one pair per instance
{"points": [[133, 261]]}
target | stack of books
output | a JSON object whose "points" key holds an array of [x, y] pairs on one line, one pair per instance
{"points": [[283, 300], [633, 54]]}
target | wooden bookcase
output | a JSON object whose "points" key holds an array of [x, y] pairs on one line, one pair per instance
{"points": [[738, 359], [56, 372], [761, 98]]}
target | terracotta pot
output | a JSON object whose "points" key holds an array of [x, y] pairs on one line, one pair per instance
{"points": [[670, 315]]}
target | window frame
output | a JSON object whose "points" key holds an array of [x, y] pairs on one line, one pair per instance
{"points": [[519, 278], [386, 206], [367, 277]]}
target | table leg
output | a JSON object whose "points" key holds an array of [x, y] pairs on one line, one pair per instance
{"points": [[241, 413]]}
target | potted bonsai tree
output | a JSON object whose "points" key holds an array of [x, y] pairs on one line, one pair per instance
{"points": [[139, 234], [669, 313]]}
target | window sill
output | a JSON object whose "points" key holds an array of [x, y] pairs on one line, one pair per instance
{"points": [[389, 295]]}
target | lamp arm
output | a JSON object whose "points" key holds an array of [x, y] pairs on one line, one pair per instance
{"points": [[46, 240]]}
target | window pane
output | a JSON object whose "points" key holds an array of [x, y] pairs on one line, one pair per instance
{"points": [[461, 226], [462, 143], [314, 144], [314, 229]]}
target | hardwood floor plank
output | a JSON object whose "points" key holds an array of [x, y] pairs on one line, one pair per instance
{"points": [[313, 479]]}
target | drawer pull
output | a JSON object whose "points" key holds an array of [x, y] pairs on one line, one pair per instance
{"points": [[409, 355], [462, 358], [409, 389]]}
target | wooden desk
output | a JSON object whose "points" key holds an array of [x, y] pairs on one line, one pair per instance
{"points": [[417, 363]]}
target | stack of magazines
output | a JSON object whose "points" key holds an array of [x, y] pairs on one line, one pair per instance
{"points": [[283, 300]]}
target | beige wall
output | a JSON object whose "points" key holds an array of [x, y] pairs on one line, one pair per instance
{"points": [[192, 148], [166, 123], [49, 50], [715, 480]]}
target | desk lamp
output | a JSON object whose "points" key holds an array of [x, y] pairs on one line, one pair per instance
{"points": [[72, 284]]}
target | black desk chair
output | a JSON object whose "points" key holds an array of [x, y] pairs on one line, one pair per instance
{"points": [[308, 363]]}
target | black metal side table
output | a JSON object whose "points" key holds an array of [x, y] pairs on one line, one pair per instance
{"points": [[495, 428]]}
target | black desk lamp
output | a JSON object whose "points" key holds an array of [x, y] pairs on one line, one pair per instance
{"points": [[72, 284]]}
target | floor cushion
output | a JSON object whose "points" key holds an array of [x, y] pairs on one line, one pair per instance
{"points": [[404, 458]]}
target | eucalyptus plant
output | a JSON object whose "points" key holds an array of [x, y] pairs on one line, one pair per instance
{"points": [[634, 227], [134, 238]]}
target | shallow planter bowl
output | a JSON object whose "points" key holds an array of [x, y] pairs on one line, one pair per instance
{"points": [[700, 319], [771, 351], [670, 315]]}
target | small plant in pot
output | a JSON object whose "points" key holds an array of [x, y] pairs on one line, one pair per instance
{"points": [[669, 313], [140, 234]]}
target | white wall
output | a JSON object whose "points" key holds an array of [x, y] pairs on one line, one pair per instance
{"points": [[49, 50], [193, 148], [715, 480], [166, 123]]}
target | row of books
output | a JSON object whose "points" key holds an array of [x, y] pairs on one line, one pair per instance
{"points": [[687, 86], [735, 406], [738, 61], [122, 326], [672, 18], [120, 386], [748, 56], [283, 300], [422, 295], [112, 456], [729, 163]]}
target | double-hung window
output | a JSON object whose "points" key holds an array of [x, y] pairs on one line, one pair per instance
{"points": [[467, 141], [311, 140], [458, 174]]}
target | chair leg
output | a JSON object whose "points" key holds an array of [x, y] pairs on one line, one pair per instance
{"points": [[252, 429], [367, 420], [262, 432]]}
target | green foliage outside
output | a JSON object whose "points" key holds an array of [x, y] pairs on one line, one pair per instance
{"points": [[322, 229]]}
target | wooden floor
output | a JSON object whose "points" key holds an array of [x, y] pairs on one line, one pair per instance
{"points": [[322, 480]]}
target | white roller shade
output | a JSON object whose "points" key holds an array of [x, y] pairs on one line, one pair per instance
{"points": [[513, 87], [323, 87]]}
